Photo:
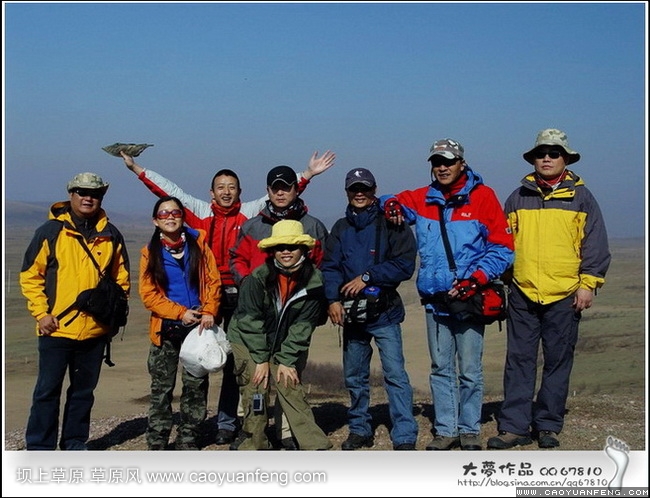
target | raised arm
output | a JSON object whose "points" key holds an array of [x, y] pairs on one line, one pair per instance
{"points": [[319, 164], [131, 164]]}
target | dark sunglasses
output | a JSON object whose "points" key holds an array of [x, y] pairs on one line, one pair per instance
{"points": [[553, 154], [164, 214], [438, 161], [359, 187], [89, 192], [286, 247]]}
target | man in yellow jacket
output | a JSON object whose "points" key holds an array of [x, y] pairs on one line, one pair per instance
{"points": [[561, 257], [56, 269]]}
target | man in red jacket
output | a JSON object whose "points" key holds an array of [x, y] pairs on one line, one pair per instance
{"points": [[222, 218]]}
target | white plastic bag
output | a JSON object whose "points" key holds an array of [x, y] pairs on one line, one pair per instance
{"points": [[205, 353]]}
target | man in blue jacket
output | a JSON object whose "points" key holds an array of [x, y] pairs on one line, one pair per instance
{"points": [[365, 255], [481, 248]]}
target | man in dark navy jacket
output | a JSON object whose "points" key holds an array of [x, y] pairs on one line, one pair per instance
{"points": [[365, 255]]}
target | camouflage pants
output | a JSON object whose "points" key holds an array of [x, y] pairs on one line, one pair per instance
{"points": [[163, 365], [293, 400]]}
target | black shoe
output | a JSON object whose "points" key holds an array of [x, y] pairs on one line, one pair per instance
{"points": [[289, 444], [548, 439], [355, 441], [224, 436], [404, 447], [157, 446], [241, 437], [506, 440]]}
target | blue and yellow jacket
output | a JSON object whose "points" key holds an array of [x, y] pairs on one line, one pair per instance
{"points": [[56, 269], [560, 239]]}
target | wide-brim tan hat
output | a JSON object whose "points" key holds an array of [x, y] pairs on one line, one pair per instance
{"points": [[287, 232], [552, 136], [91, 181]]}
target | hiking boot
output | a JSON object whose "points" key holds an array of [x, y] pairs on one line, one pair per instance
{"points": [[470, 442], [506, 440], [224, 436], [289, 444], [404, 447], [241, 437], [355, 441], [548, 439], [186, 446], [444, 443]]}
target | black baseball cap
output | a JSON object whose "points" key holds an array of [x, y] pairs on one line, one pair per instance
{"points": [[281, 174]]}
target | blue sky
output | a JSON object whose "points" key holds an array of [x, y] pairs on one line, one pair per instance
{"points": [[254, 85]]}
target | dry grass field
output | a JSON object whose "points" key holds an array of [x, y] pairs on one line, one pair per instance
{"points": [[607, 394]]}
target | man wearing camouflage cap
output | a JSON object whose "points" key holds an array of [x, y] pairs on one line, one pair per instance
{"points": [[56, 269], [481, 246], [561, 257]]}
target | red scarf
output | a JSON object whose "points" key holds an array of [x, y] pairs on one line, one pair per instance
{"points": [[455, 187]]}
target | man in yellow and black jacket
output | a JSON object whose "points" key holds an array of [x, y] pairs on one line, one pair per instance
{"points": [[56, 268], [561, 257]]}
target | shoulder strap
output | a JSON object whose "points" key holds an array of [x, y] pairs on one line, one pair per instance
{"points": [[445, 240], [92, 258], [377, 237], [101, 274]]}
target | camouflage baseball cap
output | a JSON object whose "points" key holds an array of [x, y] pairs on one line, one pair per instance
{"points": [[552, 136], [447, 147], [87, 180]]}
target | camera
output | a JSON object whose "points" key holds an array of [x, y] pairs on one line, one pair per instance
{"points": [[258, 403]]}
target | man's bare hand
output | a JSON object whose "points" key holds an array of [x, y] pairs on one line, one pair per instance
{"points": [[131, 164], [319, 164], [336, 313], [48, 325]]}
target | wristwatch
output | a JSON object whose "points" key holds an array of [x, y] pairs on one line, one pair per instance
{"points": [[365, 278]]}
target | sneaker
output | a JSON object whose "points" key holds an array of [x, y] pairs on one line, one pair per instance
{"points": [[444, 443], [289, 444], [355, 441], [224, 436], [404, 447], [548, 439], [241, 437], [186, 446], [470, 442], [506, 440]]}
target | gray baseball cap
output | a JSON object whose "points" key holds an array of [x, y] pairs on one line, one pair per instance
{"points": [[89, 181], [552, 136], [448, 148]]}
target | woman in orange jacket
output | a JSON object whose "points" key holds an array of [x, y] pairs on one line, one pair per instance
{"points": [[181, 286]]}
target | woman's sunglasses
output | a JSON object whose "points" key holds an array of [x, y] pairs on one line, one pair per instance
{"points": [[164, 214]]}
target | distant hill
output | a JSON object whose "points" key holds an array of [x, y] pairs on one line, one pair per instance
{"points": [[33, 214]]}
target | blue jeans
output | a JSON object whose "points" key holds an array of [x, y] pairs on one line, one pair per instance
{"points": [[82, 360], [228, 398], [229, 394], [457, 398], [357, 352]]}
